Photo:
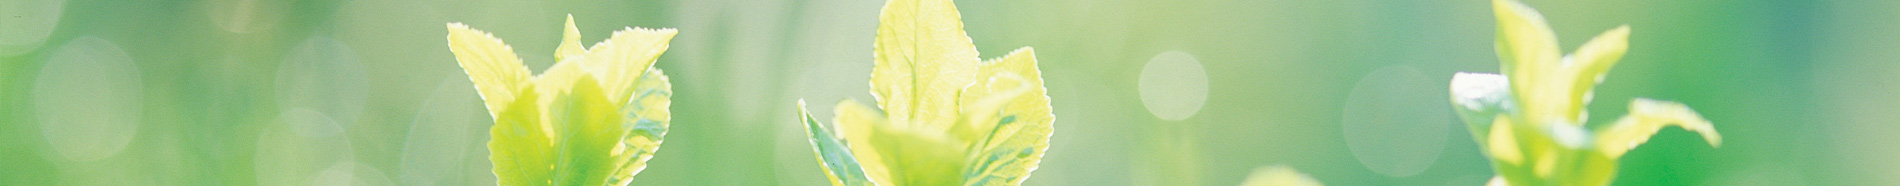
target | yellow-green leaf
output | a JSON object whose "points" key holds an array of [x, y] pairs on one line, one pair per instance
{"points": [[523, 154], [589, 129], [1011, 112], [622, 58], [922, 59], [492, 65], [1526, 46], [1645, 119], [570, 41], [646, 115], [895, 154], [1589, 64]]}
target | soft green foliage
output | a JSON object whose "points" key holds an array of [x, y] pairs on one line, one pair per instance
{"points": [[943, 117], [1530, 120], [594, 118]]}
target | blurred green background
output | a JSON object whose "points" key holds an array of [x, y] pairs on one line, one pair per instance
{"points": [[1183, 92]]}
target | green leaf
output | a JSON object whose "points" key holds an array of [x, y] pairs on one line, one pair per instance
{"points": [[647, 118], [589, 129], [519, 146], [839, 165]]}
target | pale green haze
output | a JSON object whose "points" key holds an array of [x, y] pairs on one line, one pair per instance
{"points": [[1146, 92]]}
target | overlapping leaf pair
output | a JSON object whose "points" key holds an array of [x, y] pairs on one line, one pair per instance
{"points": [[943, 117], [1530, 120], [594, 118]]}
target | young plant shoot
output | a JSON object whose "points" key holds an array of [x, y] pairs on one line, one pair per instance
{"points": [[594, 118], [1530, 120], [943, 117]]}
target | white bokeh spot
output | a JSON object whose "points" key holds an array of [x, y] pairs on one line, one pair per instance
{"points": [[299, 147], [1173, 85], [445, 135], [25, 24], [324, 75], [87, 100], [1395, 121]]}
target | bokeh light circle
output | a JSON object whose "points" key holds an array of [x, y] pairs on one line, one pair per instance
{"points": [[1396, 120], [1173, 85], [300, 146], [350, 174], [324, 75], [444, 136], [87, 99], [246, 16], [25, 24]]}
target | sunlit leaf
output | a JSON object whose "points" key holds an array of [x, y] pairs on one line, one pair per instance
{"points": [[1010, 114], [1526, 48], [594, 118], [493, 67], [922, 59]]}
